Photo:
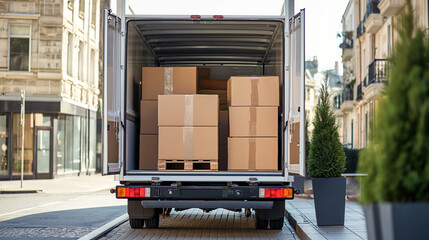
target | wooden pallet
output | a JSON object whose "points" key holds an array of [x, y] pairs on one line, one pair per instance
{"points": [[188, 165]]}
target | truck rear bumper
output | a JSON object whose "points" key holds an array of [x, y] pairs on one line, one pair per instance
{"points": [[207, 204]]}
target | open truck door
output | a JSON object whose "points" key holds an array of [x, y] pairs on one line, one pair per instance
{"points": [[295, 92], [111, 118]]}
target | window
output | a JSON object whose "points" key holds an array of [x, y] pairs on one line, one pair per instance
{"points": [[92, 70], [81, 8], [94, 12], [81, 76], [389, 40], [70, 54], [4, 128], [61, 144], [17, 144], [19, 48]]}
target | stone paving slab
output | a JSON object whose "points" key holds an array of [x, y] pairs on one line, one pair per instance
{"points": [[301, 213], [195, 224]]}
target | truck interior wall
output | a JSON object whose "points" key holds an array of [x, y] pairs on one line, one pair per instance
{"points": [[275, 67], [137, 55]]}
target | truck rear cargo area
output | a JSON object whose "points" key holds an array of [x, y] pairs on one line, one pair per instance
{"points": [[220, 49]]}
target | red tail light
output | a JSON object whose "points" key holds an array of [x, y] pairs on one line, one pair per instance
{"points": [[276, 193], [218, 16], [132, 192], [195, 16]]}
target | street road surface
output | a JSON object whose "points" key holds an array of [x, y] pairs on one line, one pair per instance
{"points": [[53, 216]]}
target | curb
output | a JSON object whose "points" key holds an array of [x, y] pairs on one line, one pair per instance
{"points": [[99, 232], [296, 226], [18, 191]]}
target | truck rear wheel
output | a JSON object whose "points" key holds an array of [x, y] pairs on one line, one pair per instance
{"points": [[277, 224], [136, 223], [152, 222]]}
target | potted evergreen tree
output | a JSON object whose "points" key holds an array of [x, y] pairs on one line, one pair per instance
{"points": [[326, 163], [396, 191]]}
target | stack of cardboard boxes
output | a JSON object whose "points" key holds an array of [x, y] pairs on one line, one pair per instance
{"points": [[159, 81], [253, 123], [188, 132]]}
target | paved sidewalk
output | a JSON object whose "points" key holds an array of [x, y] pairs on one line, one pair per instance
{"points": [[301, 214], [73, 184]]}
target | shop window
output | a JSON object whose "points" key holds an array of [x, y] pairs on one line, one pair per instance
{"points": [[42, 120], [4, 128], [61, 144], [19, 48], [17, 144]]}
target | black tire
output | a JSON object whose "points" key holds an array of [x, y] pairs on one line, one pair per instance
{"points": [[277, 224], [152, 222], [136, 223], [260, 223]]}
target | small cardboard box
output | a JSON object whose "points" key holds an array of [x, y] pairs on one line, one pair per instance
{"points": [[253, 121], [188, 143], [168, 80], [149, 117], [188, 110], [223, 140], [254, 154], [148, 152], [253, 91], [203, 74]]}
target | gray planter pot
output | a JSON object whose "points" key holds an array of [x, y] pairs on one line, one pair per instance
{"points": [[372, 217], [404, 220], [329, 200]]}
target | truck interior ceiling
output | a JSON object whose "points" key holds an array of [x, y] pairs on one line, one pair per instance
{"points": [[228, 47]]}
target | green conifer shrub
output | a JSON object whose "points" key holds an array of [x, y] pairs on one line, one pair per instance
{"points": [[326, 156], [397, 158]]}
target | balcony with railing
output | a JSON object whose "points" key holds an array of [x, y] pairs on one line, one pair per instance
{"points": [[377, 71], [360, 29], [359, 93], [347, 99], [390, 7], [373, 19], [347, 46]]}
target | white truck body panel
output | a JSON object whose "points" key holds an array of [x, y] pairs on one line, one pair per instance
{"points": [[125, 158]]}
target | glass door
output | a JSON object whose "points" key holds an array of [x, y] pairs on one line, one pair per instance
{"points": [[43, 154]]}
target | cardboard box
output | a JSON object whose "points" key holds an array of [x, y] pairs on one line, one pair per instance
{"points": [[211, 84], [253, 121], [254, 154], [253, 91], [188, 110], [223, 140], [149, 117], [148, 152], [223, 103], [168, 80], [188, 143]]}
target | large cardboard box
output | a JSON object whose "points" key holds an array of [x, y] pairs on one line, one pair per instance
{"points": [[254, 154], [253, 121], [149, 117], [168, 80], [223, 140], [148, 152], [188, 143], [253, 91], [188, 110]]}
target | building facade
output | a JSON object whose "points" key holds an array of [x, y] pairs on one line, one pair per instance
{"points": [[374, 35], [50, 49]]}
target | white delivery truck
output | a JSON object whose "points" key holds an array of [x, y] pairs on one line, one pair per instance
{"points": [[229, 46]]}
